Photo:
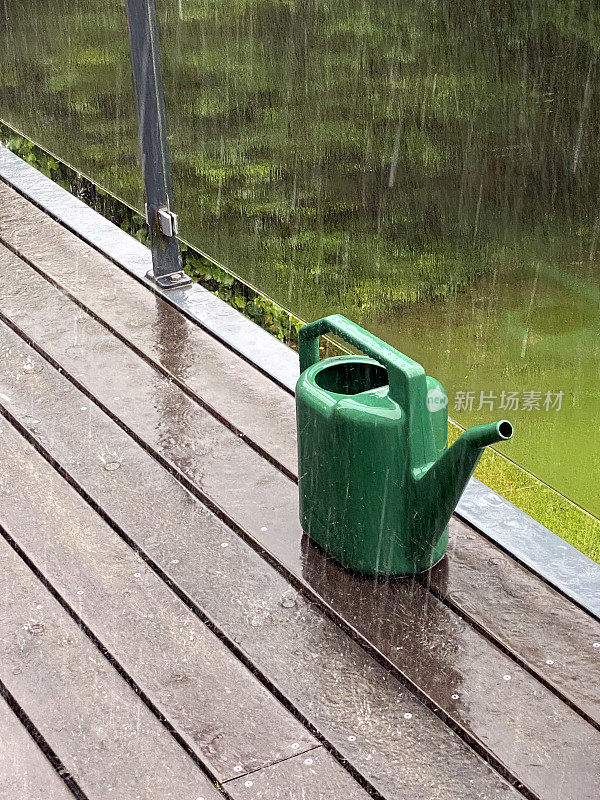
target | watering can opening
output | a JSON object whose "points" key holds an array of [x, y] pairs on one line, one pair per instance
{"points": [[351, 377], [505, 429]]}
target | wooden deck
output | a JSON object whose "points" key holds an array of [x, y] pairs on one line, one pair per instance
{"points": [[166, 629]]}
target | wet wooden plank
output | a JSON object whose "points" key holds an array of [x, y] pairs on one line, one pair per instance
{"points": [[368, 716], [105, 736], [479, 580], [312, 776], [225, 716], [221, 378], [25, 772], [548, 633]]}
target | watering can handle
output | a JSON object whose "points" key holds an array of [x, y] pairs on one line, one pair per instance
{"points": [[406, 377]]}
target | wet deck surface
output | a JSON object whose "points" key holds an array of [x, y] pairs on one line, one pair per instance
{"points": [[166, 629]]}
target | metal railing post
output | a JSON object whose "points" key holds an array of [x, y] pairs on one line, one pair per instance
{"points": [[147, 79]]}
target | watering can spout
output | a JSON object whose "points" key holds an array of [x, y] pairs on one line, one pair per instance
{"points": [[481, 436], [438, 488]]}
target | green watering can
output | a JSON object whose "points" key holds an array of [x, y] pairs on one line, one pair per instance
{"points": [[378, 483]]}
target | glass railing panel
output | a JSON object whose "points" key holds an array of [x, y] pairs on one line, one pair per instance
{"points": [[65, 82], [429, 169]]}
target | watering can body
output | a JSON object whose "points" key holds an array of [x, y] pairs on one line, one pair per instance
{"points": [[377, 485]]}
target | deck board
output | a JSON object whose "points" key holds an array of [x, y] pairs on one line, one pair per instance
{"points": [[25, 772], [508, 603], [313, 776], [85, 711], [170, 424]]}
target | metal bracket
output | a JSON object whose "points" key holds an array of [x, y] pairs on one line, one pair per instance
{"points": [[168, 221], [175, 280], [169, 226]]}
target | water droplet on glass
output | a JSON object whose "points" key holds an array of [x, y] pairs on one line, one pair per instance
{"points": [[596, 644], [352, 738], [238, 768], [263, 529], [308, 761], [455, 697], [506, 677], [408, 716], [295, 746], [137, 574], [174, 561], [224, 544], [84, 408], [248, 783], [549, 661], [111, 466], [80, 591]]}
